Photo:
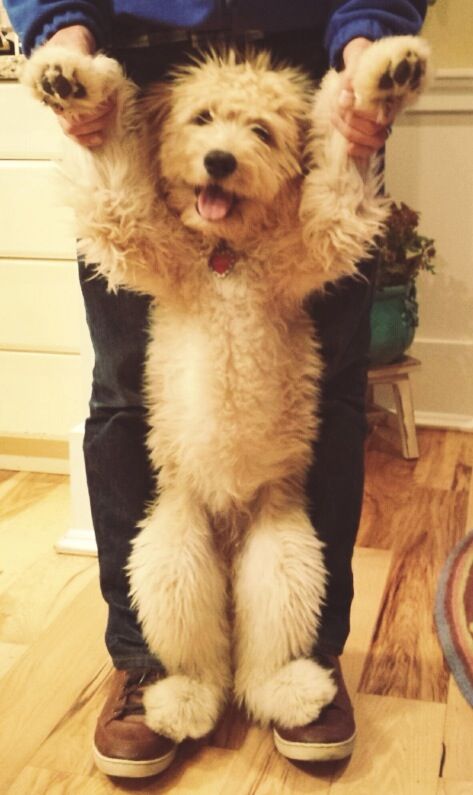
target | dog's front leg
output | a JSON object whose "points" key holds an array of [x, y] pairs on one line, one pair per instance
{"points": [[342, 207], [110, 187], [278, 589], [179, 589]]}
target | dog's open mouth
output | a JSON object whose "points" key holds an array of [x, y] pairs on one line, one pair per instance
{"points": [[214, 203]]}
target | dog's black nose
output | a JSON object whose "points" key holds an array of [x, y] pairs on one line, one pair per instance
{"points": [[219, 164]]}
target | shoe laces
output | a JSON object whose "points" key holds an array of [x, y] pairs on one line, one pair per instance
{"points": [[131, 697]]}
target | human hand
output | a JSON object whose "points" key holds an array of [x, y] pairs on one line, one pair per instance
{"points": [[365, 132], [90, 129]]}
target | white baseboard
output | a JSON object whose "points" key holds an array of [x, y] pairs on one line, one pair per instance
{"points": [[77, 542], [450, 422], [80, 538], [22, 463]]}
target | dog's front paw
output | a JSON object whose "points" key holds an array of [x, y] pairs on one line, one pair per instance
{"points": [[391, 74], [71, 82]]}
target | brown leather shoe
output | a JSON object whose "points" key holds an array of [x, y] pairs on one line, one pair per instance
{"points": [[331, 736], [123, 744]]}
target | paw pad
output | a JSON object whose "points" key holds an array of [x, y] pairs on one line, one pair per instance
{"points": [[406, 73], [391, 74], [56, 87]]}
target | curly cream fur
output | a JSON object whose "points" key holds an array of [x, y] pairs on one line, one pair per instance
{"points": [[233, 366]]}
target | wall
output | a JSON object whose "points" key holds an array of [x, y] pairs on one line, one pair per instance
{"points": [[430, 166], [449, 28]]}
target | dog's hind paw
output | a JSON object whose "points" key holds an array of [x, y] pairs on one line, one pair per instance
{"points": [[179, 707], [293, 696], [391, 74], [71, 82]]}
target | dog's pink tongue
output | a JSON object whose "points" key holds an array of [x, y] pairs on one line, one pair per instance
{"points": [[214, 203]]}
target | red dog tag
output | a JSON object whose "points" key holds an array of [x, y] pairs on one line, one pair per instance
{"points": [[222, 259]]}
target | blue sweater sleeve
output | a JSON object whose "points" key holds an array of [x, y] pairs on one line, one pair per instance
{"points": [[37, 20], [372, 19]]}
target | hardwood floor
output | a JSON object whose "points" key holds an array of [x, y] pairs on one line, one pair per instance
{"points": [[414, 727]]}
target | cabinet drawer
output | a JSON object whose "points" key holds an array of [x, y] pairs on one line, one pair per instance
{"points": [[32, 131], [40, 306], [42, 394], [34, 224]]}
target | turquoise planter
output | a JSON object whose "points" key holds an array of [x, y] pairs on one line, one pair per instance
{"points": [[394, 318]]}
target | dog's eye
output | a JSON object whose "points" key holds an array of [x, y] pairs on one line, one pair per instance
{"points": [[204, 117], [262, 133]]}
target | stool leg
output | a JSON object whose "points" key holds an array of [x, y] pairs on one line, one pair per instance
{"points": [[405, 414]]}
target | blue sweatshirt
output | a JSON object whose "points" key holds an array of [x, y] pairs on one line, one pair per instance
{"points": [[341, 20]]}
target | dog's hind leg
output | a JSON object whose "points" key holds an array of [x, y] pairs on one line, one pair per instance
{"points": [[180, 590], [278, 589]]}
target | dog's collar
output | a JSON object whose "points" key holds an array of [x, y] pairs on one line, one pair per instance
{"points": [[222, 259]]}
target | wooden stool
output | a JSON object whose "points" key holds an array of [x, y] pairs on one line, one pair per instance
{"points": [[397, 375]]}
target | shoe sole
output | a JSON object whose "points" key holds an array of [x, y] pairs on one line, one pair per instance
{"points": [[129, 768], [314, 752]]}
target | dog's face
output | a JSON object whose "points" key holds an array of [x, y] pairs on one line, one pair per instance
{"points": [[230, 139]]}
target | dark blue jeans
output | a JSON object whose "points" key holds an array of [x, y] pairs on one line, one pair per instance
{"points": [[120, 480]]}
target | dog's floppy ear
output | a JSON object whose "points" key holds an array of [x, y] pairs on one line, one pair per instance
{"points": [[155, 104]]}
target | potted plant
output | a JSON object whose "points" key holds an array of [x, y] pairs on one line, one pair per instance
{"points": [[402, 254]]}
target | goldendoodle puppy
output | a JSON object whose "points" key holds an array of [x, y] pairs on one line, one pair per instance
{"points": [[227, 195]]}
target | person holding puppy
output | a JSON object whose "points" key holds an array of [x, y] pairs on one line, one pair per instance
{"points": [[148, 38]]}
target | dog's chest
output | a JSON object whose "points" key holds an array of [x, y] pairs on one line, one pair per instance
{"points": [[231, 385], [230, 349]]}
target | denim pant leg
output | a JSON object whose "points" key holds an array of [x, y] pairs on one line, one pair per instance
{"points": [[336, 478], [119, 477]]}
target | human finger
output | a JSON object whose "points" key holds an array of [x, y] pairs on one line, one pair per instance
{"points": [[373, 138], [92, 136], [363, 123], [76, 121], [91, 141], [359, 152], [82, 128]]}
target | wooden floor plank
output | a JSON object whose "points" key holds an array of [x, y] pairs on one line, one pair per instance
{"points": [[232, 729], [389, 485], [37, 595], [258, 769], [68, 746], [405, 658], [24, 490], [370, 571], [5, 475], [198, 770], [398, 749], [46, 683], [458, 740], [469, 518], [9, 654], [31, 520], [455, 787], [37, 781], [441, 455]]}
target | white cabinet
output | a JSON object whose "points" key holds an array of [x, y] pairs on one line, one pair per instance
{"points": [[43, 383], [34, 224]]}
